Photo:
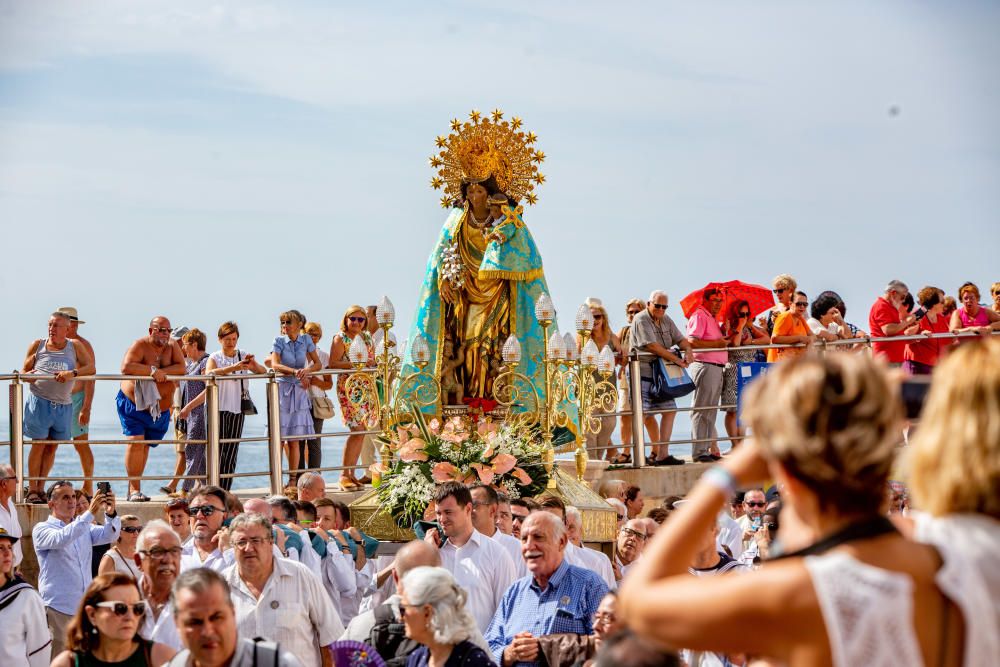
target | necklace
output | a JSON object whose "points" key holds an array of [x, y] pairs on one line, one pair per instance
{"points": [[475, 221]]}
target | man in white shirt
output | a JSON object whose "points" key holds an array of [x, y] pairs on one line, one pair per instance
{"points": [[159, 549], [278, 598], [8, 512], [754, 503], [577, 554], [479, 565], [209, 545], [485, 503]]}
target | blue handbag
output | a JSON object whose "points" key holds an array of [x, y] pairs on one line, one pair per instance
{"points": [[669, 381]]}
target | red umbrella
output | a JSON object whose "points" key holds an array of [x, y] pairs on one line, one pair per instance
{"points": [[759, 297]]}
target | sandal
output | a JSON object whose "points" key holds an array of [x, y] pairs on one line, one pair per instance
{"points": [[34, 498], [348, 484], [138, 497], [166, 490], [621, 459]]}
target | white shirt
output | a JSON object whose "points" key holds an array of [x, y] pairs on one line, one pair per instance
{"points": [[217, 560], [293, 610], [512, 546], [593, 560], [242, 657], [731, 534], [162, 628], [230, 391], [816, 326], [24, 631], [482, 567], [9, 522]]}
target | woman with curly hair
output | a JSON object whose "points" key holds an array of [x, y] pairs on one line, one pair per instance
{"points": [[359, 413]]}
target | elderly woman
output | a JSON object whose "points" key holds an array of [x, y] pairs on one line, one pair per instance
{"points": [[791, 328], [632, 308], [358, 412], [739, 330], [230, 360], [855, 591], [121, 556], [825, 321], [954, 467], [311, 451], [971, 317], [24, 635], [784, 287], [105, 630], [434, 614], [603, 336], [294, 357], [921, 356]]}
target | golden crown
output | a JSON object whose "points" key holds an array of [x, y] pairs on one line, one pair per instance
{"points": [[483, 147]]}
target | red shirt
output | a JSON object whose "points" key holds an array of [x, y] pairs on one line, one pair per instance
{"points": [[883, 313], [928, 351]]}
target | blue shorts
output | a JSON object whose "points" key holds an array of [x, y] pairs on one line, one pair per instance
{"points": [[140, 422], [75, 423], [645, 385], [45, 420]]}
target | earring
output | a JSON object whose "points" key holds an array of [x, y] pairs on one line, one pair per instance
{"points": [[93, 631]]}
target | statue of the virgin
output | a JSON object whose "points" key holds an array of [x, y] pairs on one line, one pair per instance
{"points": [[484, 274]]}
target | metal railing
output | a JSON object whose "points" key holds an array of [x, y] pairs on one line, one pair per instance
{"points": [[274, 440], [275, 471]]}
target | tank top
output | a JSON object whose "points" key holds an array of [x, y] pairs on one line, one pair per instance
{"points": [[980, 320], [139, 658], [122, 565], [51, 362]]}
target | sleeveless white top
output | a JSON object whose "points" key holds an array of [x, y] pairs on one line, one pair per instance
{"points": [[868, 611]]}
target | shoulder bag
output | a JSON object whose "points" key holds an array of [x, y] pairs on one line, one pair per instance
{"points": [[246, 403]]}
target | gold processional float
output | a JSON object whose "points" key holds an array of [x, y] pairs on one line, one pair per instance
{"points": [[488, 389]]}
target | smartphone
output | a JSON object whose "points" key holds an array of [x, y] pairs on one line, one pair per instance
{"points": [[104, 487], [919, 313]]}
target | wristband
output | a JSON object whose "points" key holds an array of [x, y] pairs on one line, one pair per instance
{"points": [[721, 479]]}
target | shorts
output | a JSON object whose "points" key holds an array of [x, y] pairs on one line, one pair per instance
{"points": [[74, 425], [667, 404], [45, 420], [140, 422]]}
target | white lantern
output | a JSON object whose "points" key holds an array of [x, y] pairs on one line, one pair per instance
{"points": [[606, 360], [511, 350], [588, 357], [421, 352], [358, 352], [544, 310], [379, 346], [584, 318], [557, 346], [572, 350], [385, 313]]}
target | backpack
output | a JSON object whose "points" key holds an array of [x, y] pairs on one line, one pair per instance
{"points": [[388, 637]]}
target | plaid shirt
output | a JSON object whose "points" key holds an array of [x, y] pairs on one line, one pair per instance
{"points": [[567, 604]]}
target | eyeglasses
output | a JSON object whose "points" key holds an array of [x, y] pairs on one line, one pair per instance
{"points": [[801, 304], [255, 541], [754, 503], [205, 510], [604, 617], [133, 530], [160, 329], [404, 607], [634, 533], [160, 554], [779, 290], [358, 319], [122, 608], [660, 306]]}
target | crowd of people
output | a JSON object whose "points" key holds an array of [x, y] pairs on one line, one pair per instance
{"points": [[799, 529], [710, 349]]}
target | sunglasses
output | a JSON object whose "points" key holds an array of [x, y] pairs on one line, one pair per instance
{"points": [[632, 312], [744, 313], [754, 503], [779, 290], [132, 530], [660, 306], [205, 510], [122, 608], [357, 319], [160, 329], [801, 304], [598, 317], [285, 323]]}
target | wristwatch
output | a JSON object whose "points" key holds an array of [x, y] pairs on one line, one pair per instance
{"points": [[75, 372], [152, 370]]}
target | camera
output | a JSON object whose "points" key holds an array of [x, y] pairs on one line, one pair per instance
{"points": [[104, 487]]}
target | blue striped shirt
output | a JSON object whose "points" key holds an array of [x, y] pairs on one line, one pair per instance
{"points": [[567, 604]]}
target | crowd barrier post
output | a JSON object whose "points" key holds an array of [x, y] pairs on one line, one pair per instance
{"points": [[274, 434], [212, 432], [17, 436], [638, 428]]}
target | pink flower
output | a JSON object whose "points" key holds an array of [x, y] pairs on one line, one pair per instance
{"points": [[434, 426], [503, 463], [377, 470], [445, 472], [485, 473], [413, 450], [523, 477]]}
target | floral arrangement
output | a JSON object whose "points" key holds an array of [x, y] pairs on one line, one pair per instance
{"points": [[506, 455]]}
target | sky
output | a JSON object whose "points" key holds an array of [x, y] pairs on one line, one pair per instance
{"points": [[231, 160]]}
